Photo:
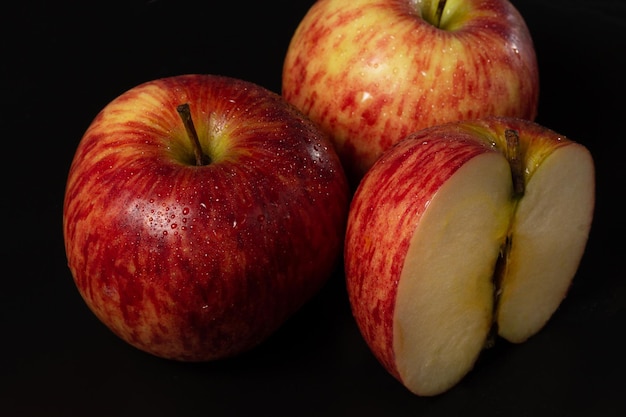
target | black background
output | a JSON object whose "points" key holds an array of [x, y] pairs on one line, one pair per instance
{"points": [[61, 62]]}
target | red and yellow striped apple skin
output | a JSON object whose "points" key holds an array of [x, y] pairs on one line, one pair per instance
{"points": [[371, 72], [202, 262], [385, 210]]}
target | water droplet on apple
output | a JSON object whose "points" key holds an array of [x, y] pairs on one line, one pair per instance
{"points": [[186, 211], [261, 218], [173, 225]]}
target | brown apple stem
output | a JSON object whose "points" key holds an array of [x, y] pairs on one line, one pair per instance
{"points": [[514, 156], [185, 115], [439, 13]]}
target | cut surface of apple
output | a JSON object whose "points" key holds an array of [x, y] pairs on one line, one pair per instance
{"points": [[445, 298], [549, 234]]}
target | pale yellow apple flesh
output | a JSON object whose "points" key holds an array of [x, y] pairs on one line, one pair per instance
{"points": [[549, 234], [457, 282], [445, 301]]}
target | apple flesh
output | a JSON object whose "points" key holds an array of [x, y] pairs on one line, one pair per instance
{"points": [[369, 72], [200, 213], [460, 231]]}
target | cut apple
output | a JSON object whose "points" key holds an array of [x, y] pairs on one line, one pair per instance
{"points": [[460, 232]]}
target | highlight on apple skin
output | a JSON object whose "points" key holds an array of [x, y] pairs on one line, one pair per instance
{"points": [[461, 232], [369, 72], [197, 256]]}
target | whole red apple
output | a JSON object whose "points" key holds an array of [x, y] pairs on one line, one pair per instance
{"points": [[369, 72], [461, 231], [200, 213]]}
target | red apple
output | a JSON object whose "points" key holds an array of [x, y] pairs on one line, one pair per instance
{"points": [[197, 253], [369, 72], [462, 231]]}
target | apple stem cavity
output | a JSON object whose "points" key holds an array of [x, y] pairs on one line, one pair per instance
{"points": [[185, 114], [514, 156]]}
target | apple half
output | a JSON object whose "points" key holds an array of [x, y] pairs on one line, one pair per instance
{"points": [[461, 231]]}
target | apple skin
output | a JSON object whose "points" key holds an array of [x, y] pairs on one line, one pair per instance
{"points": [[371, 72], [386, 210], [197, 263]]}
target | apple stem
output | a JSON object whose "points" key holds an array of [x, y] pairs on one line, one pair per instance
{"points": [[185, 114], [514, 156], [439, 13]]}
